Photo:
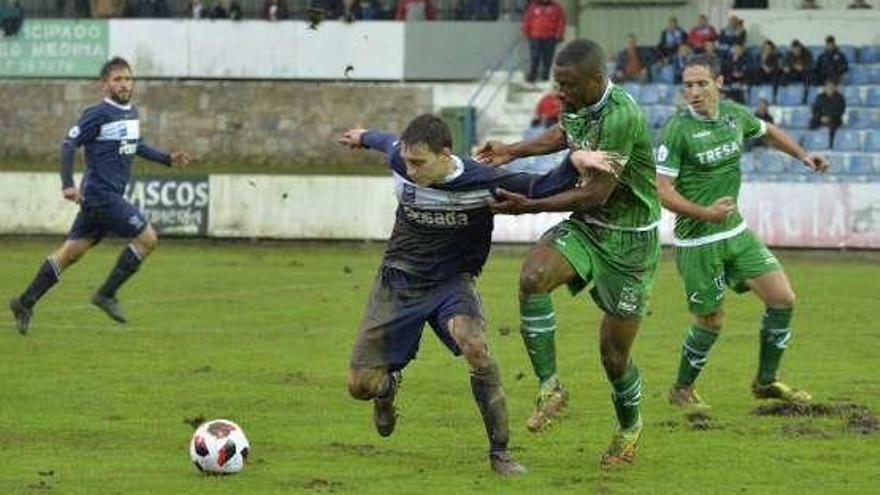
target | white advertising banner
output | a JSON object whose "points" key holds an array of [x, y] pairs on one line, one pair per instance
{"points": [[810, 215]]}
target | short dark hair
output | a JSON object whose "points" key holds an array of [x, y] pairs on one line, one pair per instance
{"points": [[430, 130], [113, 63], [706, 61], [830, 39], [586, 54]]}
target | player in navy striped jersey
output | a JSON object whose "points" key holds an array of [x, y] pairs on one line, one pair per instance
{"points": [[440, 241], [110, 133]]}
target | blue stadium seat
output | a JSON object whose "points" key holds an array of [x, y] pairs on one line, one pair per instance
{"points": [[860, 164], [852, 95], [873, 73], [666, 93], [771, 162], [816, 50], [659, 114], [747, 163], [848, 140], [872, 140], [816, 140], [796, 134], [633, 89], [811, 94], [862, 117], [791, 95], [857, 74], [758, 92], [798, 117], [849, 51], [649, 94], [872, 96], [664, 73], [869, 54]]}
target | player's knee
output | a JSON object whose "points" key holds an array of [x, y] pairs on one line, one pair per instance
{"points": [[475, 351], [614, 362], [712, 321], [533, 279], [783, 300]]}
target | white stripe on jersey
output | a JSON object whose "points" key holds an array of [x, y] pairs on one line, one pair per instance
{"points": [[119, 130], [426, 198]]}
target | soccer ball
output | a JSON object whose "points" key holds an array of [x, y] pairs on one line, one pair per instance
{"points": [[219, 447]]}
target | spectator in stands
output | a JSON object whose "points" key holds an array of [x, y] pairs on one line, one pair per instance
{"points": [[544, 26], [220, 10], [735, 70], [235, 11], [670, 38], [275, 10], [828, 109], [763, 113], [415, 10], [547, 111], [362, 10], [479, 10], [11, 18], [146, 8], [701, 33], [732, 34], [197, 9], [832, 63], [679, 60], [769, 66], [810, 5], [859, 4], [631, 64], [331, 9], [798, 66], [81, 8]]}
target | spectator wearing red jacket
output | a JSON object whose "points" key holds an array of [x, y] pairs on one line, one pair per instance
{"points": [[701, 33], [544, 26], [547, 111], [415, 10]]}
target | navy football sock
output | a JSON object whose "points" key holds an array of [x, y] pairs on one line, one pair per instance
{"points": [[129, 261], [47, 276]]}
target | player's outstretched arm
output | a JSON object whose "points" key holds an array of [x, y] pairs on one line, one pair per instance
{"points": [[678, 204], [498, 153], [778, 139], [176, 159], [366, 138]]}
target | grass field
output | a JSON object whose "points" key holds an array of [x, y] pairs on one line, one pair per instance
{"points": [[260, 334]]}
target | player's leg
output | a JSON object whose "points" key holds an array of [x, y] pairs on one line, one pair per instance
{"points": [[534, 59], [388, 338], [543, 270], [81, 238], [469, 334], [756, 268], [616, 336], [702, 271], [128, 221]]}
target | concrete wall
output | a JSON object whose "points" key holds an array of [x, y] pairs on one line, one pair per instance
{"points": [[255, 122]]}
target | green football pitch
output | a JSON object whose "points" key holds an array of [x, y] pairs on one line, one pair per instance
{"points": [[260, 333]]}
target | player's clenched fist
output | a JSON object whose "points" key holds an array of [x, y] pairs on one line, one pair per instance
{"points": [[494, 153], [352, 138]]}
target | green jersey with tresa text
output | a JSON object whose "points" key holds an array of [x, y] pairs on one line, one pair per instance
{"points": [[616, 124], [703, 155]]}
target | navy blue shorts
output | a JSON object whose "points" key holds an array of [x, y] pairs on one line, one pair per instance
{"points": [[397, 311], [116, 216]]}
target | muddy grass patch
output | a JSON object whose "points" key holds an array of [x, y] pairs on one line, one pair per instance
{"points": [[859, 418]]}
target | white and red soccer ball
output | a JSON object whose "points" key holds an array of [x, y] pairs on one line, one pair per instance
{"points": [[219, 446]]}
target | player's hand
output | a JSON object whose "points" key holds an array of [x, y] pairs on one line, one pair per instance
{"points": [[586, 161], [494, 153], [180, 159], [510, 203], [352, 138], [72, 194], [815, 162], [720, 209]]}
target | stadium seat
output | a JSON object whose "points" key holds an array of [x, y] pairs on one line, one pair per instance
{"points": [[796, 134], [663, 73], [872, 140], [873, 73], [849, 51], [848, 140], [816, 50], [816, 140], [758, 92], [659, 114], [872, 96], [856, 118], [860, 164], [791, 95], [852, 95], [632, 88], [869, 54], [649, 94], [811, 94], [771, 163], [798, 117], [747, 163], [857, 74]]}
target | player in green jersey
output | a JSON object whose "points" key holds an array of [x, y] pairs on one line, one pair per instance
{"points": [[698, 166], [609, 244]]}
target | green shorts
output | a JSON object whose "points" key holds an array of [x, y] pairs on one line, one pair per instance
{"points": [[620, 265], [706, 269]]}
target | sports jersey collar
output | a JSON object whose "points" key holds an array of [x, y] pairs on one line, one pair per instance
{"points": [[595, 107], [117, 105], [704, 118], [457, 171]]}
